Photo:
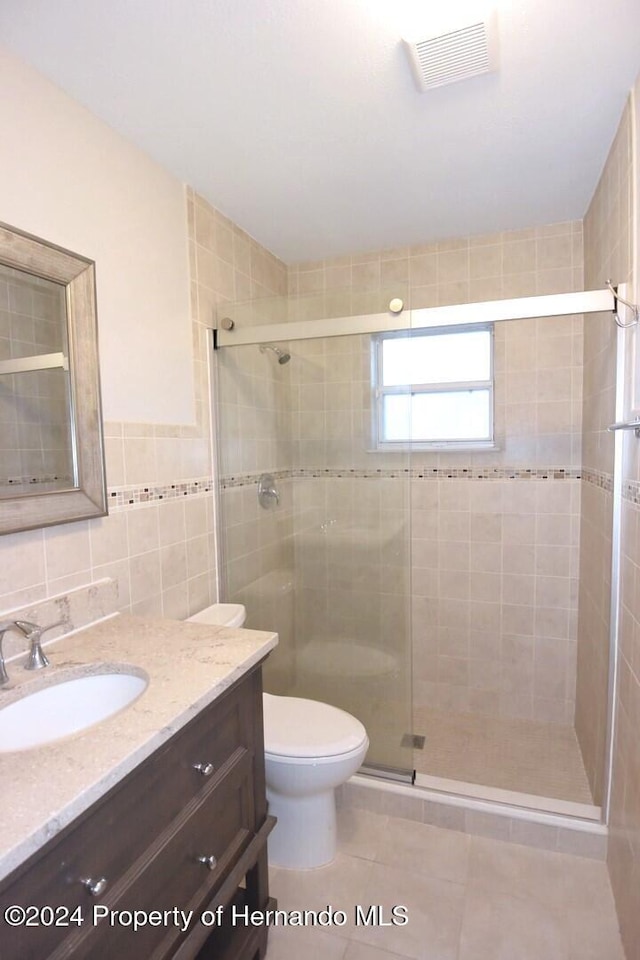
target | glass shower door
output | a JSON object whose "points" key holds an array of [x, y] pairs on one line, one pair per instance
{"points": [[328, 565], [352, 610]]}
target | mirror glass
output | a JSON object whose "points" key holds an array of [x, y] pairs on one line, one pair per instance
{"points": [[51, 451], [36, 449]]}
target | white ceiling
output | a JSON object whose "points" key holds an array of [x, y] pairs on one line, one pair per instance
{"points": [[300, 120]]}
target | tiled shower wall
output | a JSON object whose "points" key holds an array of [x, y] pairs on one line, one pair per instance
{"points": [[253, 437], [613, 216], [607, 255], [33, 406], [494, 535]]}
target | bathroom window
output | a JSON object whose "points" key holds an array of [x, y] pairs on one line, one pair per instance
{"points": [[433, 388]]}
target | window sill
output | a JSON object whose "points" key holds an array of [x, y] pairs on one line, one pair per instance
{"points": [[450, 446]]}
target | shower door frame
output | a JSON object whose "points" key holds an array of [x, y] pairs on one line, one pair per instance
{"points": [[472, 314]]}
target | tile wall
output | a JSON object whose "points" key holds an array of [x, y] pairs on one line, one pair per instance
{"points": [[624, 827], [613, 216], [494, 594], [607, 255], [253, 436], [542, 260], [494, 549], [475, 818]]}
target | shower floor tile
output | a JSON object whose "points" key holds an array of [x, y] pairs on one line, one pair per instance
{"points": [[543, 759]]}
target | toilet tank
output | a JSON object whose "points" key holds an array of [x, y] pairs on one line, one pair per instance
{"points": [[221, 615]]}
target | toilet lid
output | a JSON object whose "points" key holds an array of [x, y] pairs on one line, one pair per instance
{"points": [[294, 727]]}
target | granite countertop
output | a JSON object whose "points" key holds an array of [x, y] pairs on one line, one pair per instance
{"points": [[188, 666]]}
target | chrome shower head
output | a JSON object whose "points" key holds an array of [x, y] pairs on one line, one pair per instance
{"points": [[280, 354]]}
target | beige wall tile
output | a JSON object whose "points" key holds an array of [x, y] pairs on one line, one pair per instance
{"points": [[109, 541], [485, 261], [66, 549], [142, 526], [144, 578]]}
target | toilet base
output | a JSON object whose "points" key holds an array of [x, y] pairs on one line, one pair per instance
{"points": [[305, 834]]}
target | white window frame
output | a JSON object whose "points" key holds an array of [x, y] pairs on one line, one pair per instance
{"points": [[379, 392]]}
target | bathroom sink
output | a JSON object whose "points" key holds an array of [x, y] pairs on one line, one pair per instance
{"points": [[66, 707]]}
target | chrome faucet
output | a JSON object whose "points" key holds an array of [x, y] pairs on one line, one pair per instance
{"points": [[4, 626], [33, 632]]}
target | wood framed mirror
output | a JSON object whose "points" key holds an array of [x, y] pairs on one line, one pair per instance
{"points": [[51, 446]]}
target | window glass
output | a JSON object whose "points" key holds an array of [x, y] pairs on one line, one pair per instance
{"points": [[434, 387], [437, 416], [437, 358]]}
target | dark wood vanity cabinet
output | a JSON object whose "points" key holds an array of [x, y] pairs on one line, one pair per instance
{"points": [[185, 831]]}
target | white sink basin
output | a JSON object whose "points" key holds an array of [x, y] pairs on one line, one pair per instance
{"points": [[66, 707]]}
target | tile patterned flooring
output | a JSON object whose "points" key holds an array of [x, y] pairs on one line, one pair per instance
{"points": [[543, 759], [468, 898]]}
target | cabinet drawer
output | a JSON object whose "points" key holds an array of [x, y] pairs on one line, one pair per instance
{"points": [[219, 824]]}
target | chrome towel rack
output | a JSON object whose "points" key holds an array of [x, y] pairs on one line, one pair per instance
{"points": [[627, 425], [633, 307]]}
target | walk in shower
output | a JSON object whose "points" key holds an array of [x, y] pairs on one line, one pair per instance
{"points": [[429, 545]]}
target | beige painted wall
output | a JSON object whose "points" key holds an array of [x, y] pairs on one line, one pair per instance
{"points": [[69, 178]]}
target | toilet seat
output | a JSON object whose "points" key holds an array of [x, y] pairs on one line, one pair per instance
{"points": [[307, 730]]}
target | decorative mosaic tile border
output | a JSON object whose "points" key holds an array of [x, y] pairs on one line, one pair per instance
{"points": [[410, 473], [604, 481], [247, 479], [631, 491], [119, 498], [495, 473]]}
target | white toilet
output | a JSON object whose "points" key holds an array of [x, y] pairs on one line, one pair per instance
{"points": [[310, 749]]}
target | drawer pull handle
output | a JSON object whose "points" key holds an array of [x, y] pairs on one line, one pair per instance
{"points": [[209, 862], [206, 769], [95, 887]]}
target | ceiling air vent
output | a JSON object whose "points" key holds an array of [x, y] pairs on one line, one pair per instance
{"points": [[458, 54]]}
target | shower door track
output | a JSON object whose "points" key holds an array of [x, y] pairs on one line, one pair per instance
{"points": [[229, 334], [380, 772]]}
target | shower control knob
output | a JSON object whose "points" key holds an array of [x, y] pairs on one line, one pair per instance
{"points": [[268, 496]]}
